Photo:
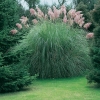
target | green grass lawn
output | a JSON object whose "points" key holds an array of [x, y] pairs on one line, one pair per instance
{"points": [[56, 89]]}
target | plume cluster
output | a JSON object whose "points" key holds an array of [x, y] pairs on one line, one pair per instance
{"points": [[70, 17]]}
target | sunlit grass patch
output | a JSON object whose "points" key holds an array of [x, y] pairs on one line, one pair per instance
{"points": [[57, 89]]}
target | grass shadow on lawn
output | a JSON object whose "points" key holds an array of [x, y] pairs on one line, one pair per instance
{"points": [[93, 86]]}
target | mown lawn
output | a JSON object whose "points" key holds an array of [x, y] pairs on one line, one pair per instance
{"points": [[56, 89]]}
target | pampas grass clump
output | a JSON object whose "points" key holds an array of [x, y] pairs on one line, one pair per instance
{"points": [[55, 50]]}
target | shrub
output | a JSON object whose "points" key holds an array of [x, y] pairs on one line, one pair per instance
{"points": [[14, 78], [55, 50], [54, 47]]}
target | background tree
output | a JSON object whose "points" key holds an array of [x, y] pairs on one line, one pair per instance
{"points": [[89, 3], [94, 75], [21, 10], [61, 2], [32, 3], [82, 7], [86, 13]]}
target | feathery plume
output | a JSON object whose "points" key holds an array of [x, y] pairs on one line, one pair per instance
{"points": [[13, 31], [19, 26], [87, 25], [90, 35], [34, 21], [32, 11], [65, 19]]}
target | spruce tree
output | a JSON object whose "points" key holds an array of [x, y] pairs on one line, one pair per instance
{"points": [[13, 77], [8, 18], [1, 59], [86, 13], [94, 75]]}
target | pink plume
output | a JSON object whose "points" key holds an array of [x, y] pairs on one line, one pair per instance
{"points": [[19, 25], [77, 18], [87, 25], [13, 31], [34, 21], [90, 35], [65, 19], [32, 11]]}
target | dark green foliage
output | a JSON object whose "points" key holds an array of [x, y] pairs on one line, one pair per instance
{"points": [[21, 10], [8, 14], [96, 13], [86, 14], [94, 75], [32, 3], [86, 6], [8, 18], [1, 59], [89, 3], [95, 51], [14, 78], [82, 7]]}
